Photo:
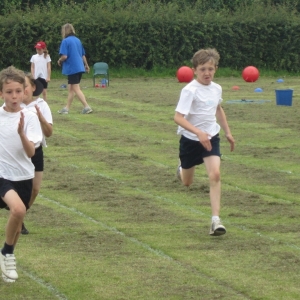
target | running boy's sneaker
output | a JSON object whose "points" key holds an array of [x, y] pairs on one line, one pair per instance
{"points": [[24, 229], [6, 279], [63, 111], [86, 110], [8, 266], [217, 228]]}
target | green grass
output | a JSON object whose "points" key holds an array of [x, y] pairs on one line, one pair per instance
{"points": [[112, 222]]}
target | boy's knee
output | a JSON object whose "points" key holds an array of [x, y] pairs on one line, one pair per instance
{"points": [[215, 176], [18, 211]]}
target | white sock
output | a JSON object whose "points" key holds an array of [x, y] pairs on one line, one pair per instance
{"points": [[215, 218]]}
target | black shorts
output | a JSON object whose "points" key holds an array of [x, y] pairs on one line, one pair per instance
{"points": [[191, 152], [22, 188], [38, 159], [43, 81], [74, 78]]}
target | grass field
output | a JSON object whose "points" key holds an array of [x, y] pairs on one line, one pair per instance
{"points": [[112, 222]]}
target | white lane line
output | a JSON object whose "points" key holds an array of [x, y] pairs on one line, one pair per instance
{"points": [[44, 284]]}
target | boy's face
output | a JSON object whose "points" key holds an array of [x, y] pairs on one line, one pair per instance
{"points": [[12, 93], [205, 73]]}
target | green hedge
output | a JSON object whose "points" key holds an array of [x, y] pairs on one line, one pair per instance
{"points": [[146, 34]]}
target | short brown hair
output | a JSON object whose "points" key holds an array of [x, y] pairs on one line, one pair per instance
{"points": [[205, 55], [11, 74]]}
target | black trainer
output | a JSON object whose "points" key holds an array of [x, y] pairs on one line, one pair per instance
{"points": [[24, 230]]}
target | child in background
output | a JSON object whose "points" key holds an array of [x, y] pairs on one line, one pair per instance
{"points": [[20, 133], [199, 105], [41, 66], [33, 103]]}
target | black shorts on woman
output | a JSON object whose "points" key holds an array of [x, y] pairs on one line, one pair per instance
{"points": [[191, 152], [74, 78]]}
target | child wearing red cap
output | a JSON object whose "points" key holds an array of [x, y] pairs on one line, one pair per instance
{"points": [[41, 66]]}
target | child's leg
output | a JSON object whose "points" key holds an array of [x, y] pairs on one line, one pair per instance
{"points": [[187, 176], [17, 211], [36, 185], [212, 164]]}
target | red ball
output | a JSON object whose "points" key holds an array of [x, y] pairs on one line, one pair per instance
{"points": [[185, 74], [250, 74]]}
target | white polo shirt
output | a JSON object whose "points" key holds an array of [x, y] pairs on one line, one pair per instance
{"points": [[198, 103]]}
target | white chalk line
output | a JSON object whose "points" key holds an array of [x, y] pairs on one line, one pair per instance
{"points": [[44, 284]]}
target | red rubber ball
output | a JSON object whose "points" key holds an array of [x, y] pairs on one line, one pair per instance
{"points": [[250, 74], [185, 74]]}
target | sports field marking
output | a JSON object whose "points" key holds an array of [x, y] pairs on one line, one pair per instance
{"points": [[45, 285]]}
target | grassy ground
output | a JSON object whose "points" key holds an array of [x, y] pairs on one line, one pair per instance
{"points": [[112, 221]]}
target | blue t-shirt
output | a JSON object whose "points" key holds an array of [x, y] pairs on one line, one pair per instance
{"points": [[72, 47]]}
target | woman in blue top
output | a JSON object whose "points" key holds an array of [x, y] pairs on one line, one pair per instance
{"points": [[74, 64]]}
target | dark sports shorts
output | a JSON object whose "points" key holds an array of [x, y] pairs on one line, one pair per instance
{"points": [[22, 188], [74, 78], [43, 81], [38, 159], [191, 152]]}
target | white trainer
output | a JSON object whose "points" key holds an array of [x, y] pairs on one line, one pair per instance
{"points": [[8, 266], [217, 228], [6, 279], [178, 173]]}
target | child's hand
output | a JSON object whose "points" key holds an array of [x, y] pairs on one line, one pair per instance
{"points": [[231, 141], [21, 124], [38, 112], [204, 139]]}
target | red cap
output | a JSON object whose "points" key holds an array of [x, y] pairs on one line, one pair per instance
{"points": [[40, 45]]}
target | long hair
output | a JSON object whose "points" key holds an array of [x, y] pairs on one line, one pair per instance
{"points": [[67, 30]]}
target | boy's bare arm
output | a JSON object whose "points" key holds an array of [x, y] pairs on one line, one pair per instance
{"points": [[27, 145], [221, 117], [47, 128]]}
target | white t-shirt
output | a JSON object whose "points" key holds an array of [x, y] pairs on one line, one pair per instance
{"points": [[45, 110], [15, 165], [40, 65], [199, 103]]}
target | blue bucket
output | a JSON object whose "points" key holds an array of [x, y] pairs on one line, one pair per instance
{"points": [[284, 97]]}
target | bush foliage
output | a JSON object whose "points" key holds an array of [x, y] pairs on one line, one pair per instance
{"points": [[148, 34]]}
